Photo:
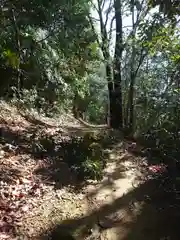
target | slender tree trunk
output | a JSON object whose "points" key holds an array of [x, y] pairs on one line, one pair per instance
{"points": [[115, 112], [75, 109], [113, 120], [117, 109], [110, 91], [130, 106], [18, 50]]}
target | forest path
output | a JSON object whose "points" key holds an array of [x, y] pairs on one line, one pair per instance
{"points": [[120, 175], [114, 202], [41, 198], [125, 205]]}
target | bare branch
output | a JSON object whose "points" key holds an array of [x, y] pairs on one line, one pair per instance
{"points": [[108, 12], [140, 61], [95, 7], [104, 36], [93, 28], [95, 19], [114, 29], [140, 16], [102, 42], [111, 30], [102, 4]]}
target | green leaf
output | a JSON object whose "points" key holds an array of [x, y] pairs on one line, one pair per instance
{"points": [[11, 58]]}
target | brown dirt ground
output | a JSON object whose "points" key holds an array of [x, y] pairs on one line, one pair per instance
{"points": [[116, 208]]}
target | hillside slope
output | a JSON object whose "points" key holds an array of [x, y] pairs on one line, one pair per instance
{"points": [[41, 198]]}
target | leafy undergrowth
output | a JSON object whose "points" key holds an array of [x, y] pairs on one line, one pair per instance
{"points": [[41, 168]]}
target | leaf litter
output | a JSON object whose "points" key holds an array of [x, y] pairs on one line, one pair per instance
{"points": [[29, 204]]}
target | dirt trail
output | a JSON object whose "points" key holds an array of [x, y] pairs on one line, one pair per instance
{"points": [[120, 175], [104, 209], [57, 204], [48, 201], [123, 206]]}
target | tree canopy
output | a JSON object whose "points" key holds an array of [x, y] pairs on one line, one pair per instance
{"points": [[82, 56], [170, 7]]}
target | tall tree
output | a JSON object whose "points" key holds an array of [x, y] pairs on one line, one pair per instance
{"points": [[113, 64], [117, 108], [137, 53], [121, 115]]}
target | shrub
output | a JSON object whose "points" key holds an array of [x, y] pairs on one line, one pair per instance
{"points": [[85, 156]]}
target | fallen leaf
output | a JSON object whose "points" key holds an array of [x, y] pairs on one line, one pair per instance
{"points": [[25, 208]]}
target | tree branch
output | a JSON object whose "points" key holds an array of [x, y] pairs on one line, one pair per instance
{"points": [[93, 29], [95, 7], [108, 12], [140, 62], [104, 35], [111, 30], [140, 16], [102, 4]]}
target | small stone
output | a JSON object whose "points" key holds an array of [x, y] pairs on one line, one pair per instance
{"points": [[2, 153]]}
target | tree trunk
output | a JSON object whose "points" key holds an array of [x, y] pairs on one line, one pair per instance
{"points": [[18, 50], [130, 106], [75, 109], [117, 110], [110, 118]]}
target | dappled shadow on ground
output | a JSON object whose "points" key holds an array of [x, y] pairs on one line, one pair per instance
{"points": [[7, 173], [149, 211], [52, 148], [34, 156], [39, 145], [153, 153], [59, 233], [34, 121], [117, 178], [152, 213]]}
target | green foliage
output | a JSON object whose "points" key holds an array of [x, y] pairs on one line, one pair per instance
{"points": [[51, 60], [11, 58], [45, 44], [170, 8], [158, 109], [96, 111], [156, 87], [85, 156]]}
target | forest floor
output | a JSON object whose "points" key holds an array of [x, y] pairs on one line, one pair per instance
{"points": [[40, 198]]}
